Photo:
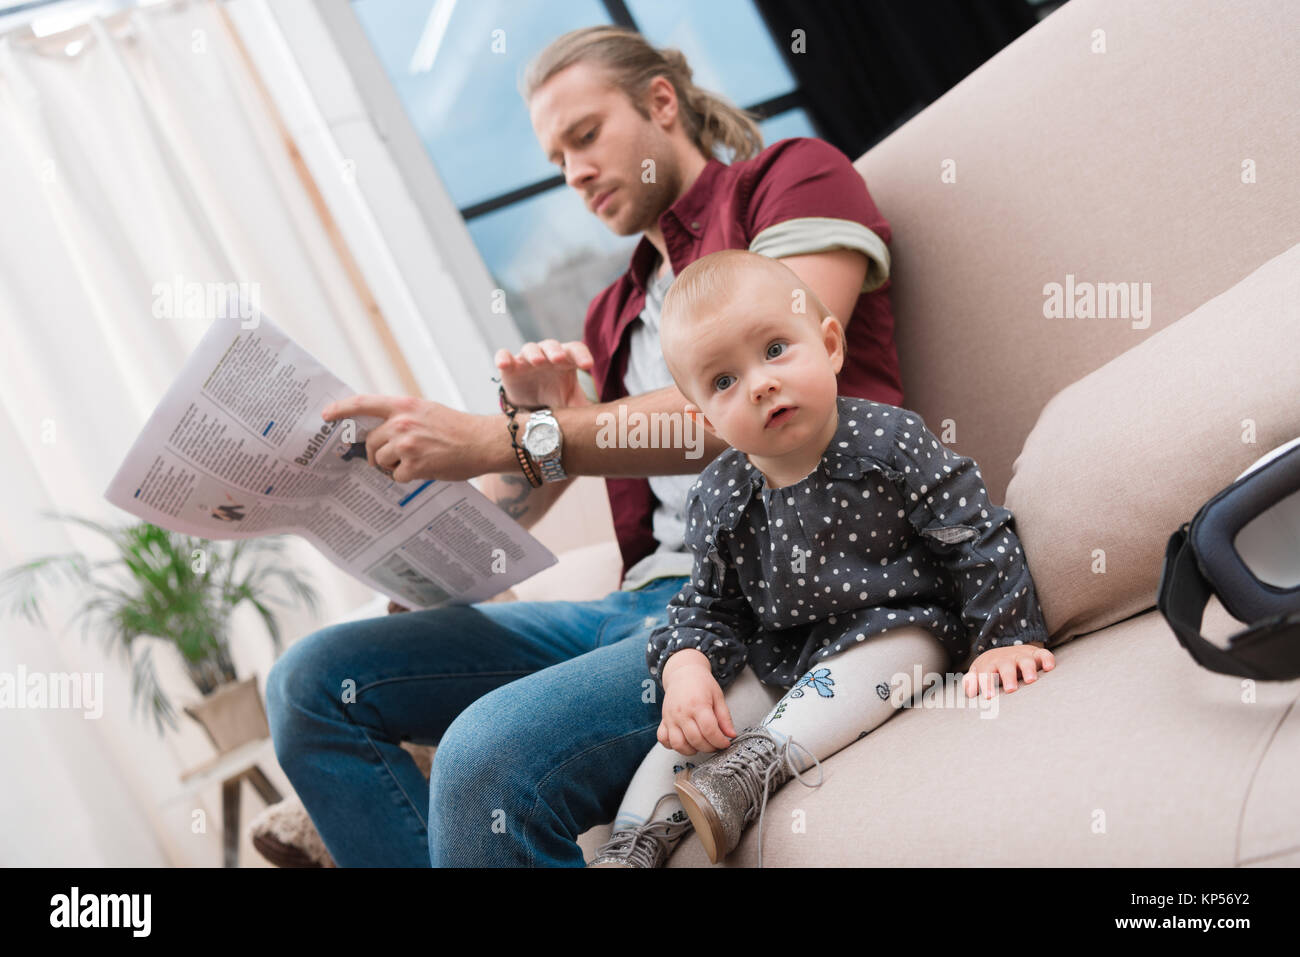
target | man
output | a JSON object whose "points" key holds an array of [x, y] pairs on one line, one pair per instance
{"points": [[540, 710]]}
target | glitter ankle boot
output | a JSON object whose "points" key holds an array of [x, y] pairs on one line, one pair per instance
{"points": [[729, 790], [648, 845]]}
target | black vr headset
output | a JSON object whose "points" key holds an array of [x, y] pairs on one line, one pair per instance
{"points": [[1243, 546]]}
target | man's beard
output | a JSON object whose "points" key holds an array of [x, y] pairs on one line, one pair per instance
{"points": [[646, 202]]}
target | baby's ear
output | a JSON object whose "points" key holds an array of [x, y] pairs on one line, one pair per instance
{"points": [[696, 413], [834, 339]]}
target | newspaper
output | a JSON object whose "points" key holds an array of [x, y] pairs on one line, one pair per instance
{"points": [[237, 449]]}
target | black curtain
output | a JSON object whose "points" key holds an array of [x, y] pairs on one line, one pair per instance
{"points": [[869, 65]]}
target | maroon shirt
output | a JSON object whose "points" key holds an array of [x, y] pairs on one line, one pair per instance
{"points": [[725, 208]]}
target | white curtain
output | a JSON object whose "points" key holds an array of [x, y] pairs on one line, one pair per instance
{"points": [[134, 151]]}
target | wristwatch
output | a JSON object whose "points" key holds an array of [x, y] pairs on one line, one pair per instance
{"points": [[543, 442]]}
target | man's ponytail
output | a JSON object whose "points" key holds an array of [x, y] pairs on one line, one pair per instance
{"points": [[709, 118]]}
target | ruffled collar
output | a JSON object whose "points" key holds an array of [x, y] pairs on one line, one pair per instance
{"points": [[731, 481]]}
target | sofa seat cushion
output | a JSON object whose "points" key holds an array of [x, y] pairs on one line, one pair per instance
{"points": [[586, 573], [1127, 754]]}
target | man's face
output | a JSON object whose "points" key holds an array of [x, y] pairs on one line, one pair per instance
{"points": [[589, 128], [763, 377]]}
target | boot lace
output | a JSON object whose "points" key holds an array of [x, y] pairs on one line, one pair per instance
{"points": [[642, 845], [756, 768]]}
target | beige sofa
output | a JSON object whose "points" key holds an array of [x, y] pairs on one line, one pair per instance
{"points": [[1100, 435]]}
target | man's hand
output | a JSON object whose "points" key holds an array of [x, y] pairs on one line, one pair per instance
{"points": [[420, 439], [545, 374], [1004, 662], [695, 713]]}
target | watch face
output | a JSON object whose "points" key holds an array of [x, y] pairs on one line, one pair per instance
{"points": [[542, 440]]}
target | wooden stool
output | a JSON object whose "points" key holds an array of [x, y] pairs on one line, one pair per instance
{"points": [[231, 768]]}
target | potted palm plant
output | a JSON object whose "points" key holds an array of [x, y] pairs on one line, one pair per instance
{"points": [[175, 588]]}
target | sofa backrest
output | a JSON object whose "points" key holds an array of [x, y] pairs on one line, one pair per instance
{"points": [[1168, 159]]}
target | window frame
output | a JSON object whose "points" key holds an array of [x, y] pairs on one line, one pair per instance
{"points": [[397, 216], [619, 15]]}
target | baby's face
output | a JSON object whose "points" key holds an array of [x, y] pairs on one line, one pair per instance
{"points": [[762, 375]]}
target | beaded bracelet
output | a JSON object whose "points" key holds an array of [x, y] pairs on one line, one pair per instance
{"points": [[525, 463]]}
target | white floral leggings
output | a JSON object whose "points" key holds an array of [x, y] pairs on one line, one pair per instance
{"points": [[839, 701]]}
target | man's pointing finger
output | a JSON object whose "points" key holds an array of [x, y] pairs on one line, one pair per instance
{"points": [[381, 406]]}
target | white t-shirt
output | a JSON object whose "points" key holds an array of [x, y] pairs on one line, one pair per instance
{"points": [[646, 372]]}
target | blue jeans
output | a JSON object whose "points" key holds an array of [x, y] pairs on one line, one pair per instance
{"points": [[541, 711]]}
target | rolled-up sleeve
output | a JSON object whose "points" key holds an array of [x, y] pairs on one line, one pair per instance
{"points": [[946, 502], [810, 198], [710, 613]]}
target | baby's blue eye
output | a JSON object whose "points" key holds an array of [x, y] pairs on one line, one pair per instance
{"points": [[779, 346], [718, 383]]}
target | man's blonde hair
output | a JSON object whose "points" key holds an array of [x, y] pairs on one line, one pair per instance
{"points": [[713, 279], [708, 119]]}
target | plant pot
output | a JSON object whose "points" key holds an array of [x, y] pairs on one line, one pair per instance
{"points": [[232, 715]]}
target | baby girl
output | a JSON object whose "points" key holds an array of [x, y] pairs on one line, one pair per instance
{"points": [[837, 543]]}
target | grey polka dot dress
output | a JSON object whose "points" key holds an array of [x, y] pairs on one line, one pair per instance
{"points": [[891, 529]]}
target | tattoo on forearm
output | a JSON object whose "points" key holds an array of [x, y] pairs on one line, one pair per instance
{"points": [[517, 504]]}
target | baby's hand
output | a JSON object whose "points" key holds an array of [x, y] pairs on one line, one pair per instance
{"points": [[695, 713], [1004, 662]]}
